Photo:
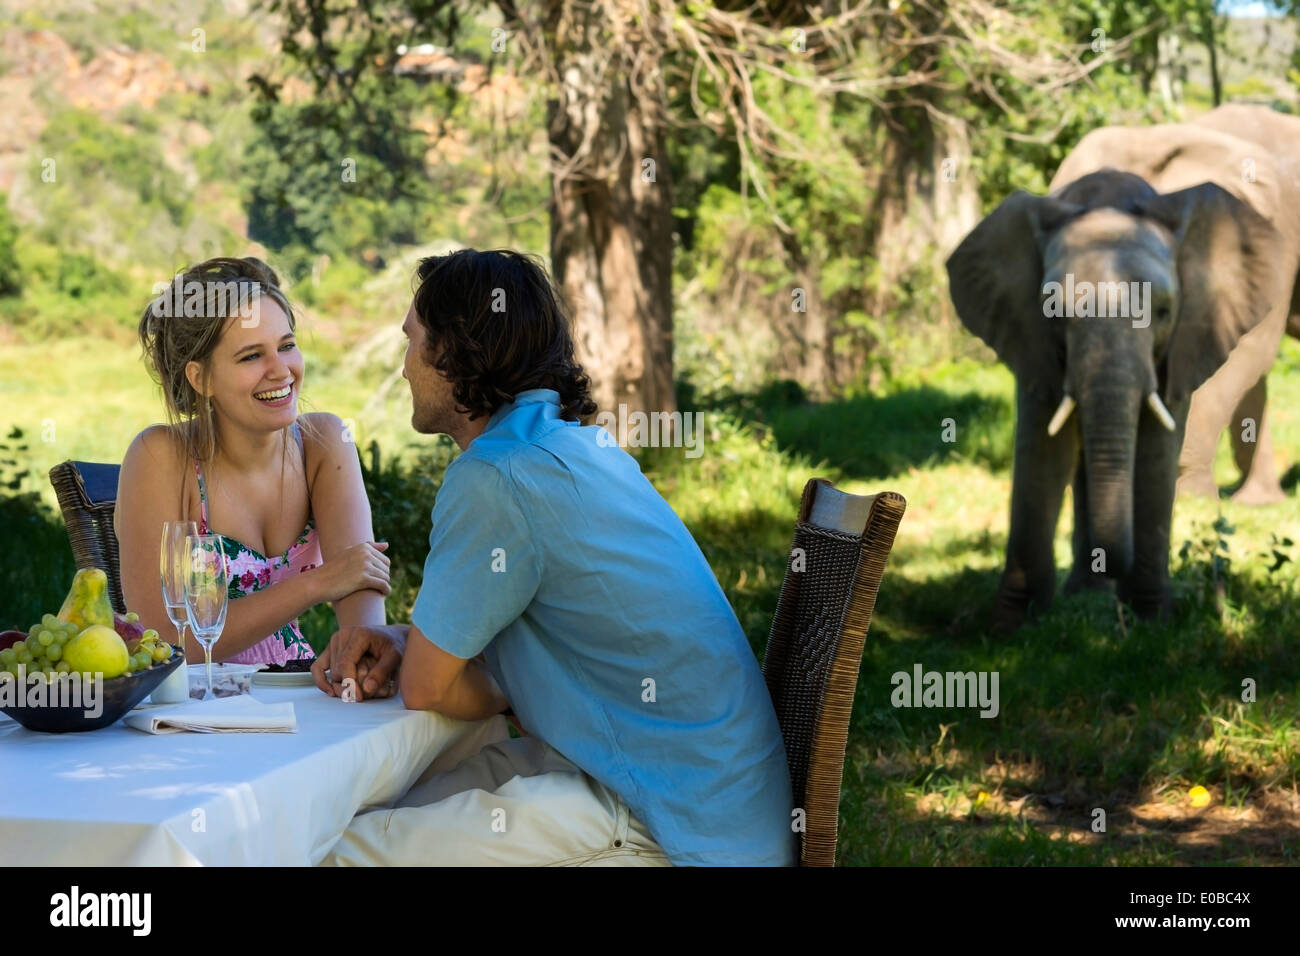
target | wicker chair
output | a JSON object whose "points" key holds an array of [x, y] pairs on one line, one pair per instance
{"points": [[87, 496], [838, 557]]}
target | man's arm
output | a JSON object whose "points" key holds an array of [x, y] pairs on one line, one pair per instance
{"points": [[432, 679]]}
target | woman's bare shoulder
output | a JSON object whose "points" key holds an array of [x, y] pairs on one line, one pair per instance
{"points": [[157, 448], [323, 433], [325, 424], [326, 438]]}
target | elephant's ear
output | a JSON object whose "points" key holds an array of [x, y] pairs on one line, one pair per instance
{"points": [[1229, 264], [995, 278]]}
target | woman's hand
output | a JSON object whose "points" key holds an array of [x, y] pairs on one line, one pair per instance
{"points": [[361, 567]]}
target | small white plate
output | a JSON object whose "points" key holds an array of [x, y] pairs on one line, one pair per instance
{"points": [[285, 678]]}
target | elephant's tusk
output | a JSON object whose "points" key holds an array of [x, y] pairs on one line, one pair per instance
{"points": [[1062, 413], [1162, 413]]}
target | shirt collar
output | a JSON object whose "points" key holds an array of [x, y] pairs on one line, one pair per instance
{"points": [[532, 396]]}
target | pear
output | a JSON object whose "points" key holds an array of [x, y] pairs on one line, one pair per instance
{"points": [[87, 601]]}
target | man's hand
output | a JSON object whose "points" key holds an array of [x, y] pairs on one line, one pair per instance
{"points": [[368, 654]]}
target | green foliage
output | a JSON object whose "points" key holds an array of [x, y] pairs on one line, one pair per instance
{"points": [[93, 154], [11, 282], [310, 185], [401, 498], [36, 564], [65, 291]]}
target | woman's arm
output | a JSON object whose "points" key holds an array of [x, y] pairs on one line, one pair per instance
{"points": [[342, 511], [147, 495]]}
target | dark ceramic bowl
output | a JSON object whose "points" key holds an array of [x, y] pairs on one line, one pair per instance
{"points": [[119, 695]]}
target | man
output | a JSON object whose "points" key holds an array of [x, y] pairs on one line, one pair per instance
{"points": [[559, 584]]}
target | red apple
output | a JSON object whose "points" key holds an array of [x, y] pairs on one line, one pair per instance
{"points": [[10, 638], [129, 631]]}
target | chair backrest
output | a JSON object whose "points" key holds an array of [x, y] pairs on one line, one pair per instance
{"points": [[87, 494], [811, 666]]}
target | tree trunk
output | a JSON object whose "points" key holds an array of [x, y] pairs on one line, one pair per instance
{"points": [[1207, 29], [1168, 72], [611, 213]]}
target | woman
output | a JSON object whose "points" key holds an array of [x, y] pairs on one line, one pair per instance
{"points": [[285, 492]]}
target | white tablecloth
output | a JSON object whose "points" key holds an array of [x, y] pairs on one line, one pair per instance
{"points": [[117, 796]]}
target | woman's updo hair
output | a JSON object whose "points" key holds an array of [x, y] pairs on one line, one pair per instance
{"points": [[184, 323]]}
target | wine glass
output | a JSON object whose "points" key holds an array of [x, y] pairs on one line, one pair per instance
{"points": [[207, 583], [172, 573]]}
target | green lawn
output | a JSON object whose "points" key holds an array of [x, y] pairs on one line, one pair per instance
{"points": [[1091, 717]]}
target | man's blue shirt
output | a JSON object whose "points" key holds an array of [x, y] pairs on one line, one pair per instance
{"points": [[608, 632]]}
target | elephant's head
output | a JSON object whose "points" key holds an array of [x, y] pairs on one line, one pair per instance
{"points": [[1110, 301]]}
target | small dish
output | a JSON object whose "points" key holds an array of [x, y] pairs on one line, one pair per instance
{"points": [[284, 678], [228, 680]]}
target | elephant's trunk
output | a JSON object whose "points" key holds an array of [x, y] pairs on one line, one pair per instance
{"points": [[1109, 424]]}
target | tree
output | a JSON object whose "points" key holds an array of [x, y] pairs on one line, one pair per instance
{"points": [[605, 65]]}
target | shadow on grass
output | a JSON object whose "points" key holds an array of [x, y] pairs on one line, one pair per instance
{"points": [[1089, 716], [875, 436]]}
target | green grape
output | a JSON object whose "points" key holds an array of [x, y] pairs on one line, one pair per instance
{"points": [[63, 667], [142, 660], [45, 638], [49, 620], [54, 652], [62, 638], [162, 652], [132, 616], [8, 656], [24, 656], [34, 630]]}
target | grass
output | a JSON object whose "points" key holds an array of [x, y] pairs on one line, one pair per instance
{"points": [[1092, 717]]}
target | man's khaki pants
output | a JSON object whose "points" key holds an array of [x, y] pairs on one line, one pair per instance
{"points": [[513, 803]]}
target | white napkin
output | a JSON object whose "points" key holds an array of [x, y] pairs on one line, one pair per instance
{"points": [[240, 714]]}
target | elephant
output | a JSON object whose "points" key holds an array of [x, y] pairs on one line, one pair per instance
{"points": [[1254, 153], [1186, 270]]}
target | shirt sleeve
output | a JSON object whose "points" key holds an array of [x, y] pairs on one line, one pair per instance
{"points": [[483, 568]]}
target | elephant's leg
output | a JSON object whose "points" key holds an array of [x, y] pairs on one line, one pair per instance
{"points": [[1042, 467], [1155, 474], [1255, 458], [1215, 402], [1210, 412], [1081, 576]]}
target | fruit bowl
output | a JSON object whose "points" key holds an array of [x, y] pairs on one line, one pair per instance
{"points": [[117, 697]]}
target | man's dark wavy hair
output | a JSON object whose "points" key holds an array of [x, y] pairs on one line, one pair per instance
{"points": [[491, 356]]}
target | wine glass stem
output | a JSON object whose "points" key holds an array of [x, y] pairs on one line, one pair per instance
{"points": [[207, 655]]}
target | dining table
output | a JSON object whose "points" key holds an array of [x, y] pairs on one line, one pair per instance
{"points": [[119, 796]]}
